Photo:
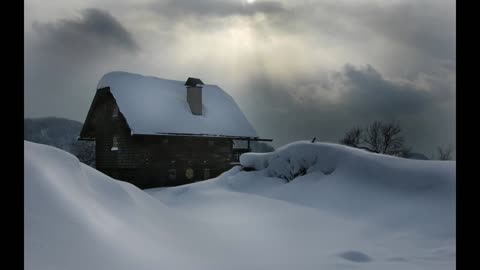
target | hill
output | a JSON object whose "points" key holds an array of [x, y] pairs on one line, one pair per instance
{"points": [[60, 133]]}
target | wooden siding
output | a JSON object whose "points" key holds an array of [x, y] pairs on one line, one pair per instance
{"points": [[148, 161]]}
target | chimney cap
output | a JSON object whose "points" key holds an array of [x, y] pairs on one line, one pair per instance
{"points": [[193, 82]]}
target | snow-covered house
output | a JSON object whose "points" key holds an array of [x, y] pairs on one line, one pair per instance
{"points": [[155, 132]]}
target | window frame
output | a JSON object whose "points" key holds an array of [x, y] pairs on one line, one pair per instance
{"points": [[115, 143], [115, 111]]}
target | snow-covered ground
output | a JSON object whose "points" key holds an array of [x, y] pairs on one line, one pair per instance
{"points": [[308, 206]]}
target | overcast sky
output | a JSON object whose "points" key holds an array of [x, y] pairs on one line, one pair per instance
{"points": [[298, 69]]}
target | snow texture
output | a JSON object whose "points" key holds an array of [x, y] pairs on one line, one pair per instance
{"points": [[350, 210], [156, 106]]}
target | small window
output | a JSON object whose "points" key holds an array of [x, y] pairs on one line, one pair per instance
{"points": [[206, 173], [211, 142], [147, 162], [172, 174], [114, 143], [115, 111], [165, 141]]}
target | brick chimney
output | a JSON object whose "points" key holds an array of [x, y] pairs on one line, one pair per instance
{"points": [[194, 95]]}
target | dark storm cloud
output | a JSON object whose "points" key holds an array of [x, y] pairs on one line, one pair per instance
{"points": [[215, 8], [425, 26], [367, 92], [94, 28], [64, 60], [362, 96], [359, 89], [429, 27]]}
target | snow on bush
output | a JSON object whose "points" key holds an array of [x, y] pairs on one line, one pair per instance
{"points": [[295, 159], [397, 192], [303, 157]]}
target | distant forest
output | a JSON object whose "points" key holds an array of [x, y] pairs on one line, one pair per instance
{"points": [[63, 133]]}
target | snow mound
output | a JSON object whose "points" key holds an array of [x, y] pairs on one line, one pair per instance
{"points": [[366, 212], [78, 218], [303, 157], [395, 192]]}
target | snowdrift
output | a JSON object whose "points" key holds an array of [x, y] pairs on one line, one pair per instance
{"points": [[307, 206], [355, 182]]}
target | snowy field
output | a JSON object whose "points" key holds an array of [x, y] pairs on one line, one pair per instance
{"points": [[307, 206]]}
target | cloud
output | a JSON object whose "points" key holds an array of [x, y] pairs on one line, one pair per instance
{"points": [[94, 29], [64, 60], [366, 91], [418, 35], [427, 26], [396, 27], [326, 105], [214, 8]]}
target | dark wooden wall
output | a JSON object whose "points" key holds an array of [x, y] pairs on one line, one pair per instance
{"points": [[155, 161]]}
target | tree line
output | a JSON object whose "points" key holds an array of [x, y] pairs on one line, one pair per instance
{"points": [[386, 138]]}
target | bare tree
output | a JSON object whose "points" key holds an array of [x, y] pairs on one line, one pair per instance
{"points": [[445, 153], [352, 137], [385, 138], [378, 137], [372, 137], [391, 141]]}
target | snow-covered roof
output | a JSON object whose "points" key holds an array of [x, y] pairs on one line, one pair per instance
{"points": [[154, 106]]}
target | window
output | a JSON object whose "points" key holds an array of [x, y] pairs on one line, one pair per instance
{"points": [[172, 174], [165, 141], [147, 162], [115, 111], [189, 173], [114, 143], [211, 142]]}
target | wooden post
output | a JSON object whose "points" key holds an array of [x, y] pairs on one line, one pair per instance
{"points": [[248, 145]]}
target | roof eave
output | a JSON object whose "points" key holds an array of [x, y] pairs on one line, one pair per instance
{"points": [[252, 138]]}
